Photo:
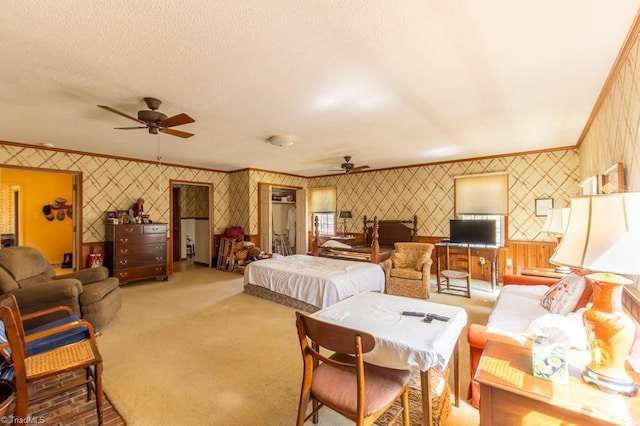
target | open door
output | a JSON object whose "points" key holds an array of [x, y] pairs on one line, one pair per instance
{"points": [[302, 238], [264, 217]]}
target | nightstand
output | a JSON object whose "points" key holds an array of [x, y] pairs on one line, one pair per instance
{"points": [[510, 394]]}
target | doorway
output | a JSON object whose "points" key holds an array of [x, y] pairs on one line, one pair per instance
{"points": [[191, 222], [39, 208]]}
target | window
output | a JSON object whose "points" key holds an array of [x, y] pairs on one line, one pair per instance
{"points": [[323, 206], [483, 197]]}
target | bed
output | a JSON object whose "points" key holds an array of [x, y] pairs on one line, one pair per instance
{"points": [[379, 238], [310, 283]]}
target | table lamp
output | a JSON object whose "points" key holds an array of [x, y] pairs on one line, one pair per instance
{"points": [[345, 214], [556, 225], [603, 236]]}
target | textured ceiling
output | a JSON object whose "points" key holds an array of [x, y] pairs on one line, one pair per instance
{"points": [[390, 83]]}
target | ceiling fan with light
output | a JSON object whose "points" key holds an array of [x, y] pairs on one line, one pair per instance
{"points": [[155, 120], [349, 167]]}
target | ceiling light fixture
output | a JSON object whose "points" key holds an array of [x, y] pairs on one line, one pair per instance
{"points": [[280, 140]]}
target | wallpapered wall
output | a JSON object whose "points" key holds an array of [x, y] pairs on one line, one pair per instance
{"points": [[111, 184], [614, 135], [427, 191]]}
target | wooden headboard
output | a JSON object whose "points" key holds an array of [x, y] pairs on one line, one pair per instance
{"points": [[391, 231]]}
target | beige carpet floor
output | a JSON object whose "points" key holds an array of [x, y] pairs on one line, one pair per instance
{"points": [[196, 350]]}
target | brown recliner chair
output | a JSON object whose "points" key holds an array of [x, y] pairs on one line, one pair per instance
{"points": [[408, 270], [90, 293]]}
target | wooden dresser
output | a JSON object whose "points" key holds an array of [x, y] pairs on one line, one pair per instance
{"points": [[136, 251]]}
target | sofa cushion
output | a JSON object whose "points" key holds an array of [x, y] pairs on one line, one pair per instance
{"points": [[7, 283], [515, 308], [400, 260], [405, 273], [95, 292], [563, 297], [421, 261], [23, 262]]}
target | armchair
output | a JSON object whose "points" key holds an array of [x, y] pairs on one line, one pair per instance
{"points": [[90, 293], [408, 270]]}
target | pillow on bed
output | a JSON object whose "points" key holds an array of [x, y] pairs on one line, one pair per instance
{"points": [[335, 244], [563, 296]]}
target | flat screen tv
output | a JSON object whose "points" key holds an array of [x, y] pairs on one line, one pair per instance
{"points": [[472, 231]]}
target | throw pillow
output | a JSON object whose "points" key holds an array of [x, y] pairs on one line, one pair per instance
{"points": [[400, 260], [335, 244], [564, 295]]}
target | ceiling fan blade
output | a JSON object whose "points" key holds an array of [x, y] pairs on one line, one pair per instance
{"points": [[130, 128], [177, 120], [358, 168], [177, 133], [115, 111]]}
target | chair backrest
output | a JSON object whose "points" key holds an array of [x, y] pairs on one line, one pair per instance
{"points": [[26, 264], [413, 255], [10, 315], [459, 259]]}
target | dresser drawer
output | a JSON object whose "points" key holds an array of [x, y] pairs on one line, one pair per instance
{"points": [[130, 274], [140, 239], [127, 230], [155, 229], [123, 262]]}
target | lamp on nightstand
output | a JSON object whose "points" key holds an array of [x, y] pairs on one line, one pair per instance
{"points": [[556, 225], [345, 214], [603, 236]]}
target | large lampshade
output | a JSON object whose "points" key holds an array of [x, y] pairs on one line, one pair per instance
{"points": [[345, 214], [598, 234]]}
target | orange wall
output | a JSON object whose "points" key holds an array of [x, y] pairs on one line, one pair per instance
{"points": [[37, 189]]}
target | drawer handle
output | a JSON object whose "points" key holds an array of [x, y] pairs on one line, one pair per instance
{"points": [[124, 240], [124, 251], [128, 229], [124, 262], [159, 269], [123, 274], [155, 228], [159, 257]]}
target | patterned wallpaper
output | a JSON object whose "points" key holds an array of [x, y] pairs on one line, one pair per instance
{"points": [[427, 191], [6, 205], [111, 184], [194, 201], [614, 135]]}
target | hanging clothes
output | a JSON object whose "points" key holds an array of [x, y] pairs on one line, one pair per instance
{"points": [[291, 226]]}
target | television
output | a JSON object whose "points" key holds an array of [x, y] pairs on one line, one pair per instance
{"points": [[472, 231]]}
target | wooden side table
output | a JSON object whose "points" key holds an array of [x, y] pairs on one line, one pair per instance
{"points": [[543, 272], [510, 394]]}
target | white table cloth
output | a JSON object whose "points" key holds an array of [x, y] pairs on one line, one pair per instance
{"points": [[402, 342]]}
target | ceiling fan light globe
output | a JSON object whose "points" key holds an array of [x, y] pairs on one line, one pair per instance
{"points": [[280, 140]]}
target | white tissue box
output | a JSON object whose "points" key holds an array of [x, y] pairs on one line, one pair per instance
{"points": [[549, 360]]}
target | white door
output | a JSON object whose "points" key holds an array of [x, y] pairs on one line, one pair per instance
{"points": [[264, 217], [302, 238]]}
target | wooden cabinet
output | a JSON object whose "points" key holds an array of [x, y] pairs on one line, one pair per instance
{"points": [[136, 251]]}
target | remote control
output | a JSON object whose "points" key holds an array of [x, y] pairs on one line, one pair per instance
{"points": [[438, 317], [413, 314]]}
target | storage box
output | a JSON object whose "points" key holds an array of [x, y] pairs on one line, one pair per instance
{"points": [[549, 359]]}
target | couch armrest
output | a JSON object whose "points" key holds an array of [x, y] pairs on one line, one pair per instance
{"points": [[528, 280], [87, 276]]}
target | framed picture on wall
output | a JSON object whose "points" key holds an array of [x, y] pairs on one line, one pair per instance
{"points": [[543, 205], [589, 186], [613, 179]]}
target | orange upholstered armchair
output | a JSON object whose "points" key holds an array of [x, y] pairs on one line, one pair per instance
{"points": [[477, 335]]}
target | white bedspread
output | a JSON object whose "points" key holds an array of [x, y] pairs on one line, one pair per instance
{"points": [[403, 342], [316, 280]]}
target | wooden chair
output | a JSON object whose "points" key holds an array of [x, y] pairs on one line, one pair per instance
{"points": [[28, 369], [343, 382], [457, 267]]}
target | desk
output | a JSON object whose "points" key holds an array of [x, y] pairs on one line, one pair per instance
{"points": [[404, 342], [543, 272], [489, 252], [510, 394]]}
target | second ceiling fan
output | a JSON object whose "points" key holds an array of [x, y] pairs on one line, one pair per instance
{"points": [[155, 120], [349, 167]]}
